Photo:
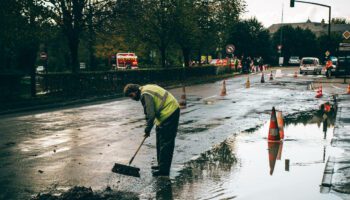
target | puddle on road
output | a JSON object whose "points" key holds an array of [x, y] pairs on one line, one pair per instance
{"points": [[246, 166]]}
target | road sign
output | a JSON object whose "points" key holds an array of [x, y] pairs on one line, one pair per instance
{"points": [[346, 35], [344, 47], [43, 55], [327, 53], [279, 47], [230, 48]]}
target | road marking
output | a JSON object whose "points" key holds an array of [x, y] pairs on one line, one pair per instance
{"points": [[337, 87]]}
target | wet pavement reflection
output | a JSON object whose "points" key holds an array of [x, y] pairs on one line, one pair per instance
{"points": [[247, 166]]}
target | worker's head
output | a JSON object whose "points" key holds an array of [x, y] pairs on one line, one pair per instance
{"points": [[132, 91]]}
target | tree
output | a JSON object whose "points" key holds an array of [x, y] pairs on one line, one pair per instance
{"points": [[23, 34], [69, 15], [339, 21], [73, 17], [226, 14], [329, 45], [158, 24], [296, 42], [186, 28], [250, 38]]}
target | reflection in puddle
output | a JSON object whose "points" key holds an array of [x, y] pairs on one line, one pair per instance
{"points": [[275, 152], [246, 166]]}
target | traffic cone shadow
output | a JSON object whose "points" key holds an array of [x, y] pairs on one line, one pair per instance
{"points": [[183, 102], [247, 84], [273, 149], [262, 78], [274, 135], [223, 90]]}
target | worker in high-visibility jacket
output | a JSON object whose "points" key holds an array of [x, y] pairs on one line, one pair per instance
{"points": [[161, 108], [329, 66]]}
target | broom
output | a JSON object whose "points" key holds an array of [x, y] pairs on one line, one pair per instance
{"points": [[127, 169]]}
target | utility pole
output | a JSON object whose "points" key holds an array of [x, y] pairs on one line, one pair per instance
{"points": [[280, 59]]}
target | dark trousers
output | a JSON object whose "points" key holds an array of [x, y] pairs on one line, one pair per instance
{"points": [[165, 141]]}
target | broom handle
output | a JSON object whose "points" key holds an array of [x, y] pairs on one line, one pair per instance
{"points": [[137, 150]]}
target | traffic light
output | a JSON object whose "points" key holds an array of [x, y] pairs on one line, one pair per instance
{"points": [[292, 3]]}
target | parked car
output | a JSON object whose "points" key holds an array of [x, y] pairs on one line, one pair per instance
{"points": [[294, 60], [310, 64]]}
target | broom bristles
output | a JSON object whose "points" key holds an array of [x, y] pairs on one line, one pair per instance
{"points": [[126, 170]]}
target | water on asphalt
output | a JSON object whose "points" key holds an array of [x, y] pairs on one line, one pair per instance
{"points": [[246, 166], [57, 150]]}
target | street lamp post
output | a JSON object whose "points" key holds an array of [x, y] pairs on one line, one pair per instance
{"points": [[329, 15]]}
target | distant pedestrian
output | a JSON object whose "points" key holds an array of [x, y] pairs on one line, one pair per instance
{"points": [[261, 63], [246, 65], [161, 108]]}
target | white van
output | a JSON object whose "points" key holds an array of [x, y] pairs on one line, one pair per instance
{"points": [[310, 64]]}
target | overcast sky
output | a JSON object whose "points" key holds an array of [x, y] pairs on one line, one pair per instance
{"points": [[270, 11]]}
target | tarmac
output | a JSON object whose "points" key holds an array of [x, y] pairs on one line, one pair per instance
{"points": [[337, 171]]}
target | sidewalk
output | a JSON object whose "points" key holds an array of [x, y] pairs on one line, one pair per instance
{"points": [[337, 173]]}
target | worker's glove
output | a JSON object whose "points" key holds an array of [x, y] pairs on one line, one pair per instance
{"points": [[147, 133]]}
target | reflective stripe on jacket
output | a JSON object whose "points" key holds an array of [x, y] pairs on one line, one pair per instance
{"points": [[164, 102]]}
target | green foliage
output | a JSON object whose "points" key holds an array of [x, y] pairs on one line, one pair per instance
{"points": [[250, 38], [296, 42], [340, 21], [302, 43]]}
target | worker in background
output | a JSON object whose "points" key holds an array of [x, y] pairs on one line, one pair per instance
{"points": [[329, 66], [161, 108]]}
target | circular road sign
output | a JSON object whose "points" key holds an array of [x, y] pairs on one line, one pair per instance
{"points": [[230, 48], [43, 55]]}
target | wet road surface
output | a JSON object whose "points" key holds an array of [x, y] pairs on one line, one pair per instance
{"points": [[55, 150]]}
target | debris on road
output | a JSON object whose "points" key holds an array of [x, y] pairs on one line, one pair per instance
{"points": [[84, 193]]}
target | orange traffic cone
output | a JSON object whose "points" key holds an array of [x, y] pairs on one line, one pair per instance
{"points": [[348, 92], [296, 74], [280, 123], [271, 76], [247, 84], [273, 148], [319, 92], [273, 129], [183, 102], [262, 78], [223, 90]]}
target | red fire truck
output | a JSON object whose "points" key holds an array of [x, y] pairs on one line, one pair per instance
{"points": [[126, 61]]}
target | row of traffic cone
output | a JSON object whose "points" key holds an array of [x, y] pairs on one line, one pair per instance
{"points": [[183, 102]]}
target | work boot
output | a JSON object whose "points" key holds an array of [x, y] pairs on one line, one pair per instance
{"points": [[155, 167], [160, 173]]}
